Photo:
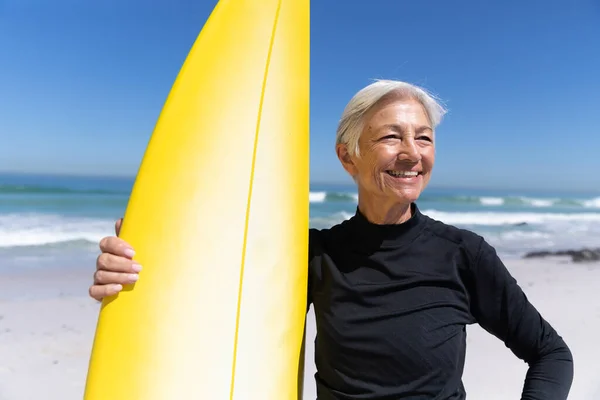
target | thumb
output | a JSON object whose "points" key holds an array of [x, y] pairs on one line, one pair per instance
{"points": [[118, 226]]}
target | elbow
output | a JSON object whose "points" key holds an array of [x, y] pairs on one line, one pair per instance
{"points": [[557, 360], [560, 351], [562, 356], [564, 352], [550, 374], [557, 350]]}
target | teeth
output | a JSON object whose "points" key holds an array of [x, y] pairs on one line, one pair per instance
{"points": [[403, 173]]}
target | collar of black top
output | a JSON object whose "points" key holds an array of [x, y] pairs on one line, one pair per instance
{"points": [[386, 235]]}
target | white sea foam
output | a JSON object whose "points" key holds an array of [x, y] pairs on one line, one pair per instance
{"points": [[34, 229], [491, 201], [317, 197], [323, 196], [511, 232], [486, 201], [593, 203], [330, 220], [540, 202], [509, 218]]}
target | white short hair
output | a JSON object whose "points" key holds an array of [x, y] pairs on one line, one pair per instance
{"points": [[350, 126]]}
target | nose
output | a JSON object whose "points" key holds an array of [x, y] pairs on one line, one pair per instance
{"points": [[409, 151]]}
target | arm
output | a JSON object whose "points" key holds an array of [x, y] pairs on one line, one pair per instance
{"points": [[501, 308]]}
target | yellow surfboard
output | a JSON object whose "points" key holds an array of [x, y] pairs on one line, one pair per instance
{"points": [[218, 216]]}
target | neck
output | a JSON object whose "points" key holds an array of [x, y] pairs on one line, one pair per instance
{"points": [[382, 213]]}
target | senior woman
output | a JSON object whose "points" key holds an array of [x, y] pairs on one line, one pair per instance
{"points": [[393, 289]]}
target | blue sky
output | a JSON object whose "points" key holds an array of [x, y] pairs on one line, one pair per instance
{"points": [[83, 83]]}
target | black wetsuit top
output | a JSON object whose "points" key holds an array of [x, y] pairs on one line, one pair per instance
{"points": [[392, 303]]}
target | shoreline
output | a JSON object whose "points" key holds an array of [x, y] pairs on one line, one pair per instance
{"points": [[47, 323]]}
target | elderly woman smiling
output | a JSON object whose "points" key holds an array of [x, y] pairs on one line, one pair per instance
{"points": [[393, 289]]}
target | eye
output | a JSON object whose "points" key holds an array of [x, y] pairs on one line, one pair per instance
{"points": [[425, 137], [387, 137]]}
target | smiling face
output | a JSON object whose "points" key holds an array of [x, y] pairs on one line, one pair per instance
{"points": [[396, 154]]}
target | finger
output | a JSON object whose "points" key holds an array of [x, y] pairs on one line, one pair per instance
{"points": [[116, 246], [98, 292], [102, 277], [111, 262], [118, 226]]}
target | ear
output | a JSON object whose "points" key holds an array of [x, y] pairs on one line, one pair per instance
{"points": [[346, 159]]}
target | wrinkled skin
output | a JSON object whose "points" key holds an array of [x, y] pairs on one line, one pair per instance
{"points": [[397, 136], [114, 266]]}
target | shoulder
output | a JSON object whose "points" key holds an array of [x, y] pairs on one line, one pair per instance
{"points": [[467, 241], [322, 243], [319, 240], [485, 271]]}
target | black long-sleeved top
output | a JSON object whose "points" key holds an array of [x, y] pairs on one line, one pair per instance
{"points": [[392, 303]]}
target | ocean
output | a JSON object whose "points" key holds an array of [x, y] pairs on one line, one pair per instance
{"points": [[53, 216]]}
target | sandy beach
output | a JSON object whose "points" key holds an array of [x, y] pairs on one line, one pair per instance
{"points": [[47, 324]]}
